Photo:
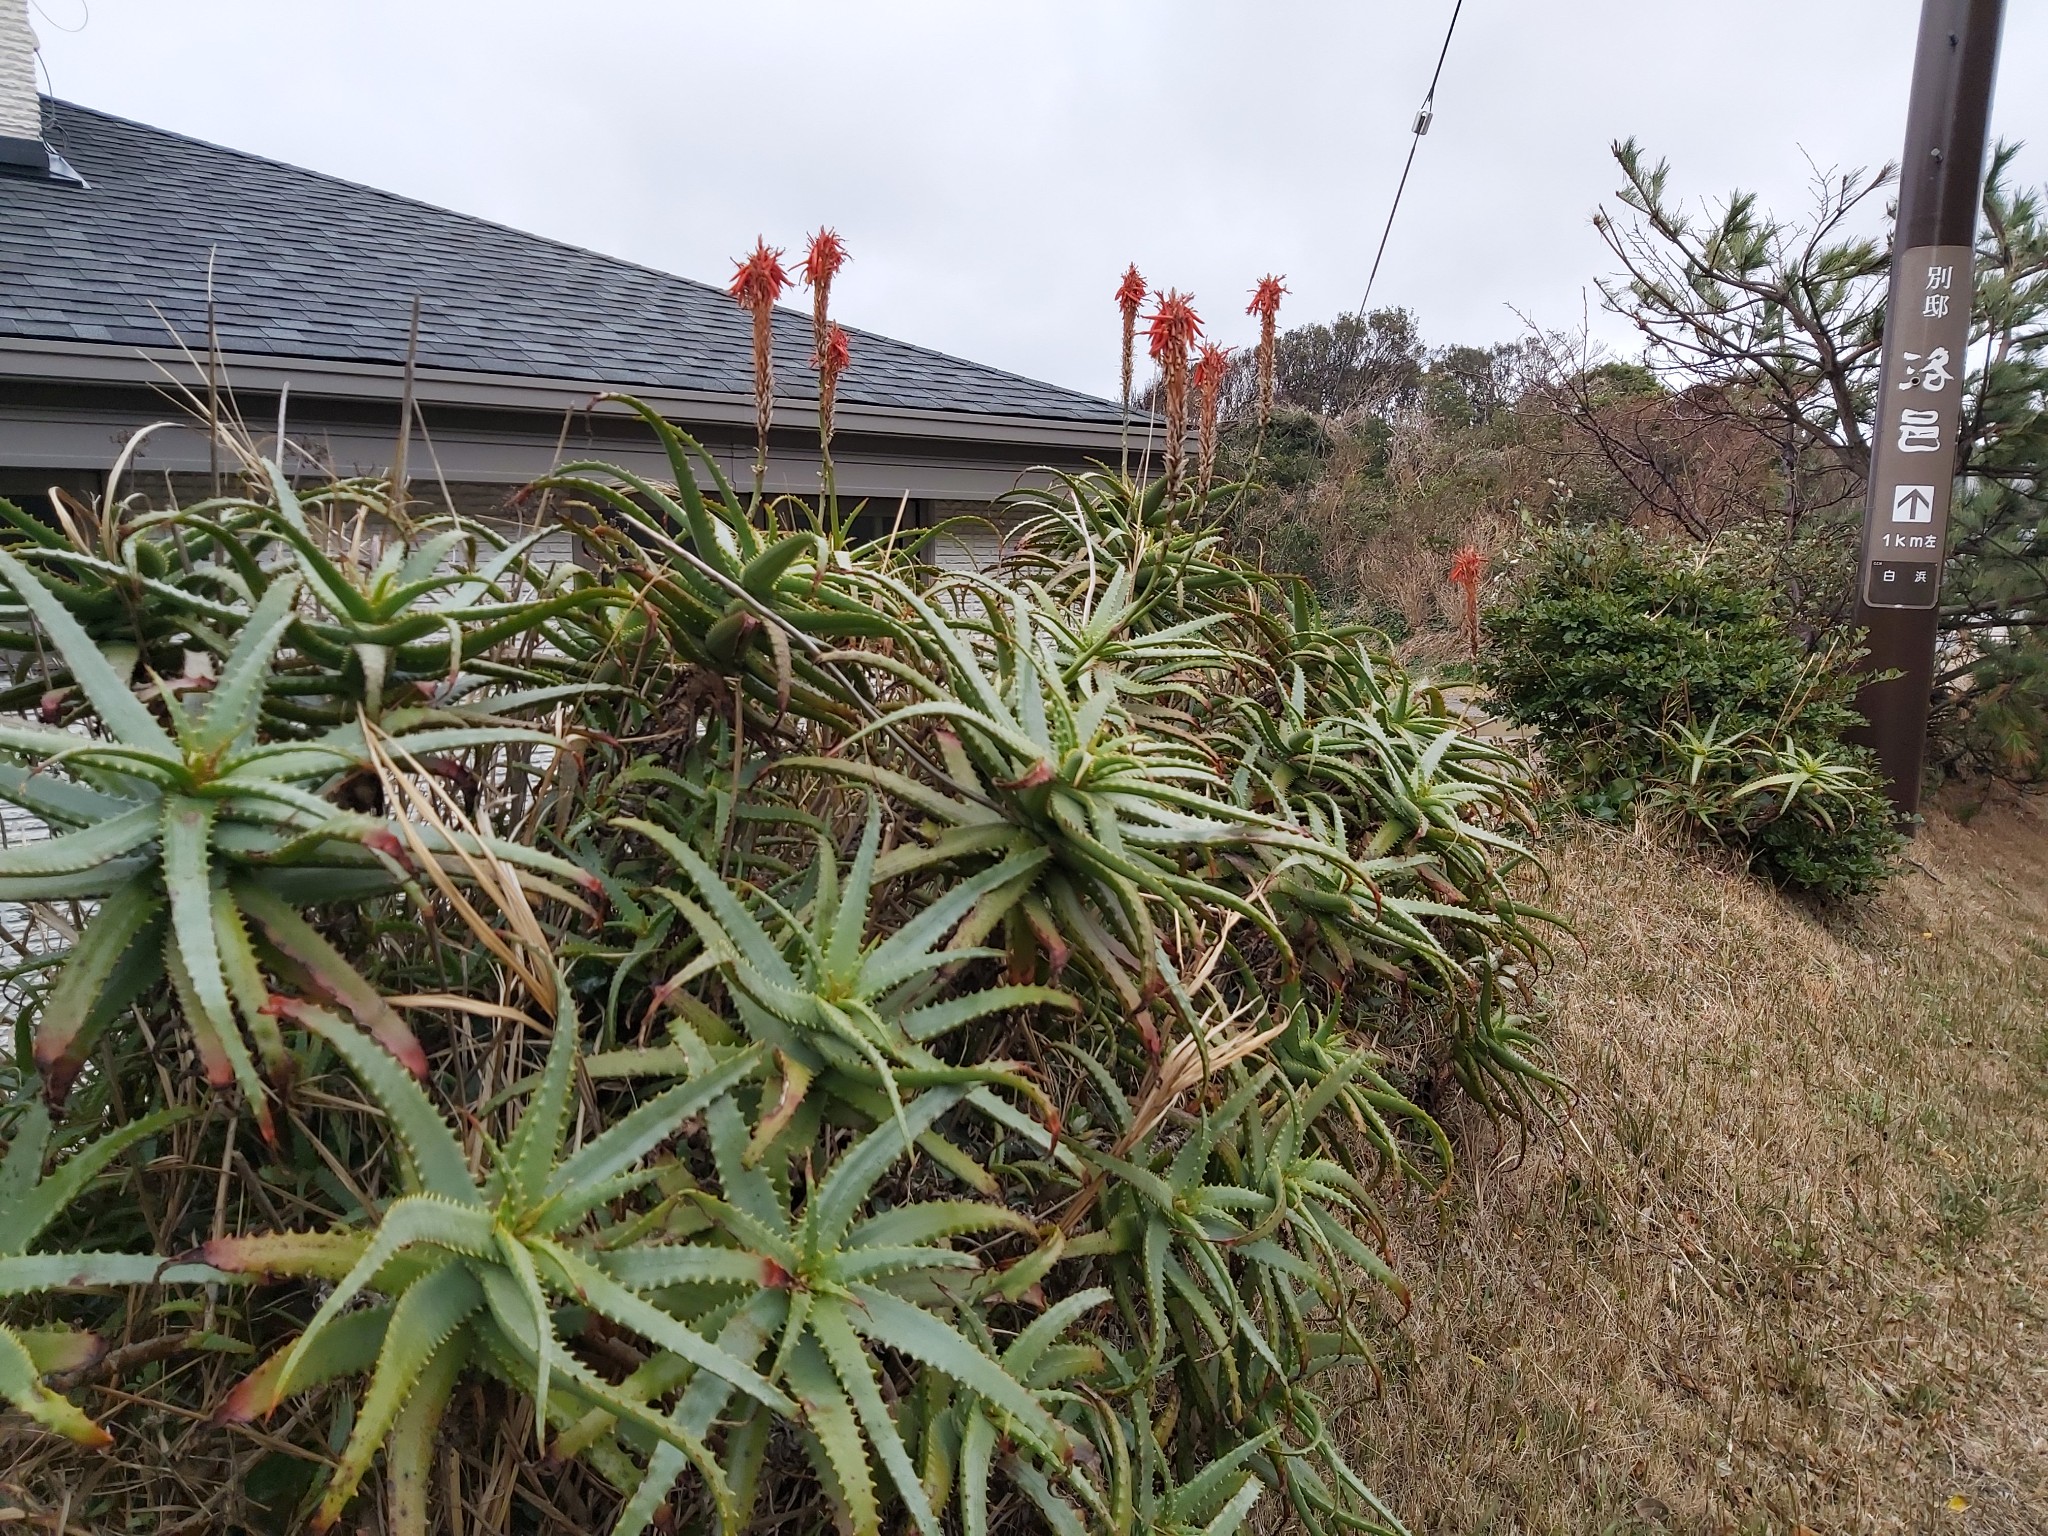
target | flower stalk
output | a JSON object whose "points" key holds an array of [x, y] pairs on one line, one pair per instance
{"points": [[1468, 569], [830, 354], [1130, 297], [1212, 367], [1172, 329], [758, 282], [1265, 305]]}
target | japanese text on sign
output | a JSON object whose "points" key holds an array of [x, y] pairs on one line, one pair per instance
{"points": [[1915, 439]]}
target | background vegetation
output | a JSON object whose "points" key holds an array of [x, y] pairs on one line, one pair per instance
{"points": [[1743, 417]]}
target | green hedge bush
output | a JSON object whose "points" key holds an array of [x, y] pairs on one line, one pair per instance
{"points": [[1669, 678]]}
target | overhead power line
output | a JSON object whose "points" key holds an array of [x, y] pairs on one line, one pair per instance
{"points": [[1422, 121]]}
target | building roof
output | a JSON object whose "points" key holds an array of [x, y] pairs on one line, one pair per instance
{"points": [[307, 266]]}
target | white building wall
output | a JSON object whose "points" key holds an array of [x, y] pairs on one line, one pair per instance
{"points": [[21, 114]]}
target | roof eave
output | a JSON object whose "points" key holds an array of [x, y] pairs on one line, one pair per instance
{"points": [[79, 362]]}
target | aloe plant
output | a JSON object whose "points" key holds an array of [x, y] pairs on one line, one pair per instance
{"points": [[196, 838], [978, 1007], [861, 1010], [884, 1279], [747, 602], [29, 1202], [469, 1263], [1131, 822]]}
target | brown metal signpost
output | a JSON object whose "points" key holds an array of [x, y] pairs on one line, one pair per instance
{"points": [[1916, 439]]}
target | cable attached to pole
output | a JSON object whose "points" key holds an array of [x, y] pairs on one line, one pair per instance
{"points": [[1422, 121]]}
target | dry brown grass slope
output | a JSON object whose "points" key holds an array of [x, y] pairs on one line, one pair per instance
{"points": [[1786, 1267]]}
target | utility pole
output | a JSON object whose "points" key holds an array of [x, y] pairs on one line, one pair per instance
{"points": [[1915, 437]]}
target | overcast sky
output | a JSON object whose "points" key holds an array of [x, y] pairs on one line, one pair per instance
{"points": [[993, 164]]}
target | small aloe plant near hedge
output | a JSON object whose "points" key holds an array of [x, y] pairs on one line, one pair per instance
{"points": [[1670, 680]]}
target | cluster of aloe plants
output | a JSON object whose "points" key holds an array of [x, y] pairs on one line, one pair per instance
{"points": [[784, 1036]]}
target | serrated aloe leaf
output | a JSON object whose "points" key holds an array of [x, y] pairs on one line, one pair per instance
{"points": [[188, 878], [236, 699], [25, 1274], [435, 1156], [411, 1220], [649, 1267], [759, 575], [831, 1210], [644, 1128], [23, 1166], [244, 976], [664, 1466], [346, 1347], [927, 1338], [59, 801], [90, 848], [80, 885], [21, 1384], [741, 930], [530, 1156], [849, 922], [124, 715], [977, 1454], [302, 1255], [517, 1262], [928, 1221], [850, 1363], [1219, 1484], [829, 1416], [26, 1211], [409, 1453], [905, 952], [1022, 1355], [331, 972], [623, 1307], [940, 1018], [125, 919], [423, 1320], [222, 1053]]}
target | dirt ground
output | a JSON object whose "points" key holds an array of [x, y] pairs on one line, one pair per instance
{"points": [[1784, 1268]]}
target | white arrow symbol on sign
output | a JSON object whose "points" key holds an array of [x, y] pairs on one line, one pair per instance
{"points": [[1912, 503]]}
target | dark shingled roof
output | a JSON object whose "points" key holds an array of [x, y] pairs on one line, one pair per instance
{"points": [[309, 266]]}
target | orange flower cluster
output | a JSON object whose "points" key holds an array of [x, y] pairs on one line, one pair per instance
{"points": [[1130, 297], [830, 354], [1171, 331], [1266, 305], [1468, 569], [758, 282]]}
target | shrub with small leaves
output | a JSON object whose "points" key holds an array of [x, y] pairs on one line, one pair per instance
{"points": [[1669, 679]]}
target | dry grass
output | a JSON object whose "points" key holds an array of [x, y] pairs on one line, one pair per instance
{"points": [[1786, 1267]]}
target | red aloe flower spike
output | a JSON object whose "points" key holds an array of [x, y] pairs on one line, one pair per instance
{"points": [[1212, 367], [1130, 295], [832, 358], [758, 281], [1468, 569], [822, 260], [824, 257], [1266, 305], [1171, 331]]}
